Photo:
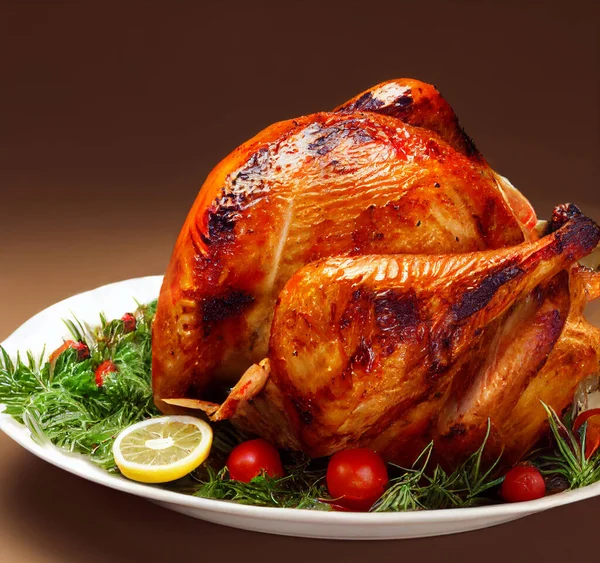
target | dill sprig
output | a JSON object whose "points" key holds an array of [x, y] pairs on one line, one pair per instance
{"points": [[63, 404], [19, 381]]}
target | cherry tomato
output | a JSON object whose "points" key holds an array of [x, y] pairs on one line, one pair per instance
{"points": [[252, 458], [592, 434], [521, 483], [356, 478], [129, 322], [83, 352], [103, 370]]}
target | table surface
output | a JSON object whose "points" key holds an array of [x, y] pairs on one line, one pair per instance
{"points": [[113, 121]]}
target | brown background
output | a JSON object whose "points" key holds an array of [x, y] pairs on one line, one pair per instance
{"points": [[112, 115]]}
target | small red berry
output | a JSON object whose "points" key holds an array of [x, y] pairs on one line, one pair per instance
{"points": [[83, 352], [523, 482], [129, 322], [103, 370]]}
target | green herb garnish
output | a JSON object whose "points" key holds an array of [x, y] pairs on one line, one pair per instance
{"points": [[63, 404], [417, 488], [567, 459], [302, 487]]}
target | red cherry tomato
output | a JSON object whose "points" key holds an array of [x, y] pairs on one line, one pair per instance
{"points": [[356, 478], [129, 322], [521, 483], [103, 370], [253, 458], [592, 434]]}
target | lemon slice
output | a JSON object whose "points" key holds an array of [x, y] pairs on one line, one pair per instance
{"points": [[162, 449]]}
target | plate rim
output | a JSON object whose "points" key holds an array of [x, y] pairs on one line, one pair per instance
{"points": [[79, 465]]}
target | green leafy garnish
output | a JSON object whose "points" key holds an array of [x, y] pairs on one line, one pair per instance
{"points": [[302, 487], [568, 459], [64, 405], [417, 488]]}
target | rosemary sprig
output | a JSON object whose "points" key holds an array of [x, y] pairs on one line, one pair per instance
{"points": [[406, 492], [417, 488], [567, 458], [302, 487]]}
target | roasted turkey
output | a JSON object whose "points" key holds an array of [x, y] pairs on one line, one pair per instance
{"points": [[364, 278]]}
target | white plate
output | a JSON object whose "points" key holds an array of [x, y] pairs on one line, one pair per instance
{"points": [[115, 299]]}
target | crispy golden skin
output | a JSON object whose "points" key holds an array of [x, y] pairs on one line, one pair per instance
{"points": [[364, 278], [391, 352], [389, 172]]}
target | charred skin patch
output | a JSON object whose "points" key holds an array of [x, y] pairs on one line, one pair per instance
{"points": [[560, 215], [226, 306], [468, 145], [254, 169], [369, 101], [330, 137], [304, 410], [396, 316], [578, 238], [395, 311], [477, 298], [222, 215], [361, 136], [575, 235], [419, 106], [220, 220], [356, 310], [364, 357], [583, 234]]}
